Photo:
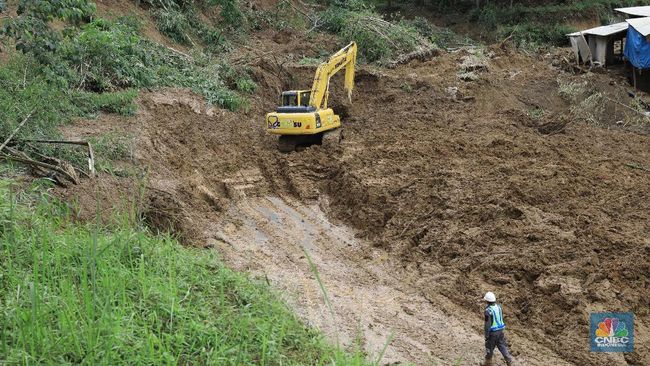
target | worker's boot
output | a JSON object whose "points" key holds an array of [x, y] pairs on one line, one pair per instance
{"points": [[510, 362], [487, 362]]}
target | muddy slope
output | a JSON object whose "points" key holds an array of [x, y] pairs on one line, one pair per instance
{"points": [[553, 217], [456, 181]]}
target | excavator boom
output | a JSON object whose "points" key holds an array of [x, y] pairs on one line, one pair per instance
{"points": [[345, 58]]}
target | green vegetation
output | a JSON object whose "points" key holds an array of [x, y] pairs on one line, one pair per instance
{"points": [[441, 37], [95, 64], [174, 24], [184, 27], [384, 38], [530, 25], [88, 294], [109, 148], [545, 23], [181, 21], [378, 39], [26, 91], [536, 113], [105, 56]]}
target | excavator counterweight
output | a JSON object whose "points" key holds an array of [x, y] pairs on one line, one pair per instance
{"points": [[303, 116]]}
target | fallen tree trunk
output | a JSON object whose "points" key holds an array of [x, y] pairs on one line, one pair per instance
{"points": [[422, 54]]}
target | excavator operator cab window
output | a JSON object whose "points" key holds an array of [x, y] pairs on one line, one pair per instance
{"points": [[295, 101], [304, 98], [289, 99], [296, 98]]}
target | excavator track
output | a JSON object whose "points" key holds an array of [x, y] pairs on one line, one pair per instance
{"points": [[331, 139], [328, 140], [287, 143]]}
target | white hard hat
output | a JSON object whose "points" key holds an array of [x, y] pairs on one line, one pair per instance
{"points": [[489, 297]]}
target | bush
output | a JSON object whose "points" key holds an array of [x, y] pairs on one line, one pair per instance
{"points": [[105, 56], [173, 24], [23, 90], [230, 13], [179, 20], [246, 85], [31, 32], [213, 39]]}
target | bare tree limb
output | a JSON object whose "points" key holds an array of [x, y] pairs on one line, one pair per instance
{"points": [[15, 131], [41, 165], [91, 154]]}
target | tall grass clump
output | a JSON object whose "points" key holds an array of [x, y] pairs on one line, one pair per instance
{"points": [[87, 294]]}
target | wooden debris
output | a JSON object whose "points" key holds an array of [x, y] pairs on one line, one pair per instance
{"points": [[45, 165], [66, 170], [91, 154], [422, 54], [11, 136]]}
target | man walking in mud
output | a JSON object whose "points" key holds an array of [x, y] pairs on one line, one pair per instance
{"points": [[494, 326]]}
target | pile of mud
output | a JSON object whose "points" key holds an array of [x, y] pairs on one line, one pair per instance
{"points": [[459, 181], [554, 217]]}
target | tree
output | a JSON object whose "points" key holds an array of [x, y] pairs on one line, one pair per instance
{"points": [[31, 29]]}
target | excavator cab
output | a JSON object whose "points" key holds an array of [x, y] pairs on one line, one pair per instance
{"points": [[303, 117], [295, 98], [295, 101]]}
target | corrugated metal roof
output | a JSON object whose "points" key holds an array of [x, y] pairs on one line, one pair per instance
{"points": [[604, 30], [642, 25], [639, 11]]}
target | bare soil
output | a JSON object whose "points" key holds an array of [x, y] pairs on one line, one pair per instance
{"points": [[441, 190]]}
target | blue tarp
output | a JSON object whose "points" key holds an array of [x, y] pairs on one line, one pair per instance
{"points": [[637, 49]]}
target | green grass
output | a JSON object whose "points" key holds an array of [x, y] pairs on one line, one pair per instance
{"points": [[85, 294]]}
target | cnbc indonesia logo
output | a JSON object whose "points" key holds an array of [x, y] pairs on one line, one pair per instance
{"points": [[612, 332]]}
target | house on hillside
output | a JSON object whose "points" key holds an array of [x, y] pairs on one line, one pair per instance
{"points": [[627, 41], [637, 51], [601, 45], [635, 11]]}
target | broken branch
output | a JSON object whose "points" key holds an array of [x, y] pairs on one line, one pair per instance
{"points": [[15, 131], [91, 154], [41, 165]]}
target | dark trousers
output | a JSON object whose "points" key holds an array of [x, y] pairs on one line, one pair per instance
{"points": [[497, 339]]}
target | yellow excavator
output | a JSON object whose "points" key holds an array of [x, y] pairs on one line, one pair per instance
{"points": [[303, 117]]}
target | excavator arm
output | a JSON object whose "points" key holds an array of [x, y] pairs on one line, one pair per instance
{"points": [[345, 58]]}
